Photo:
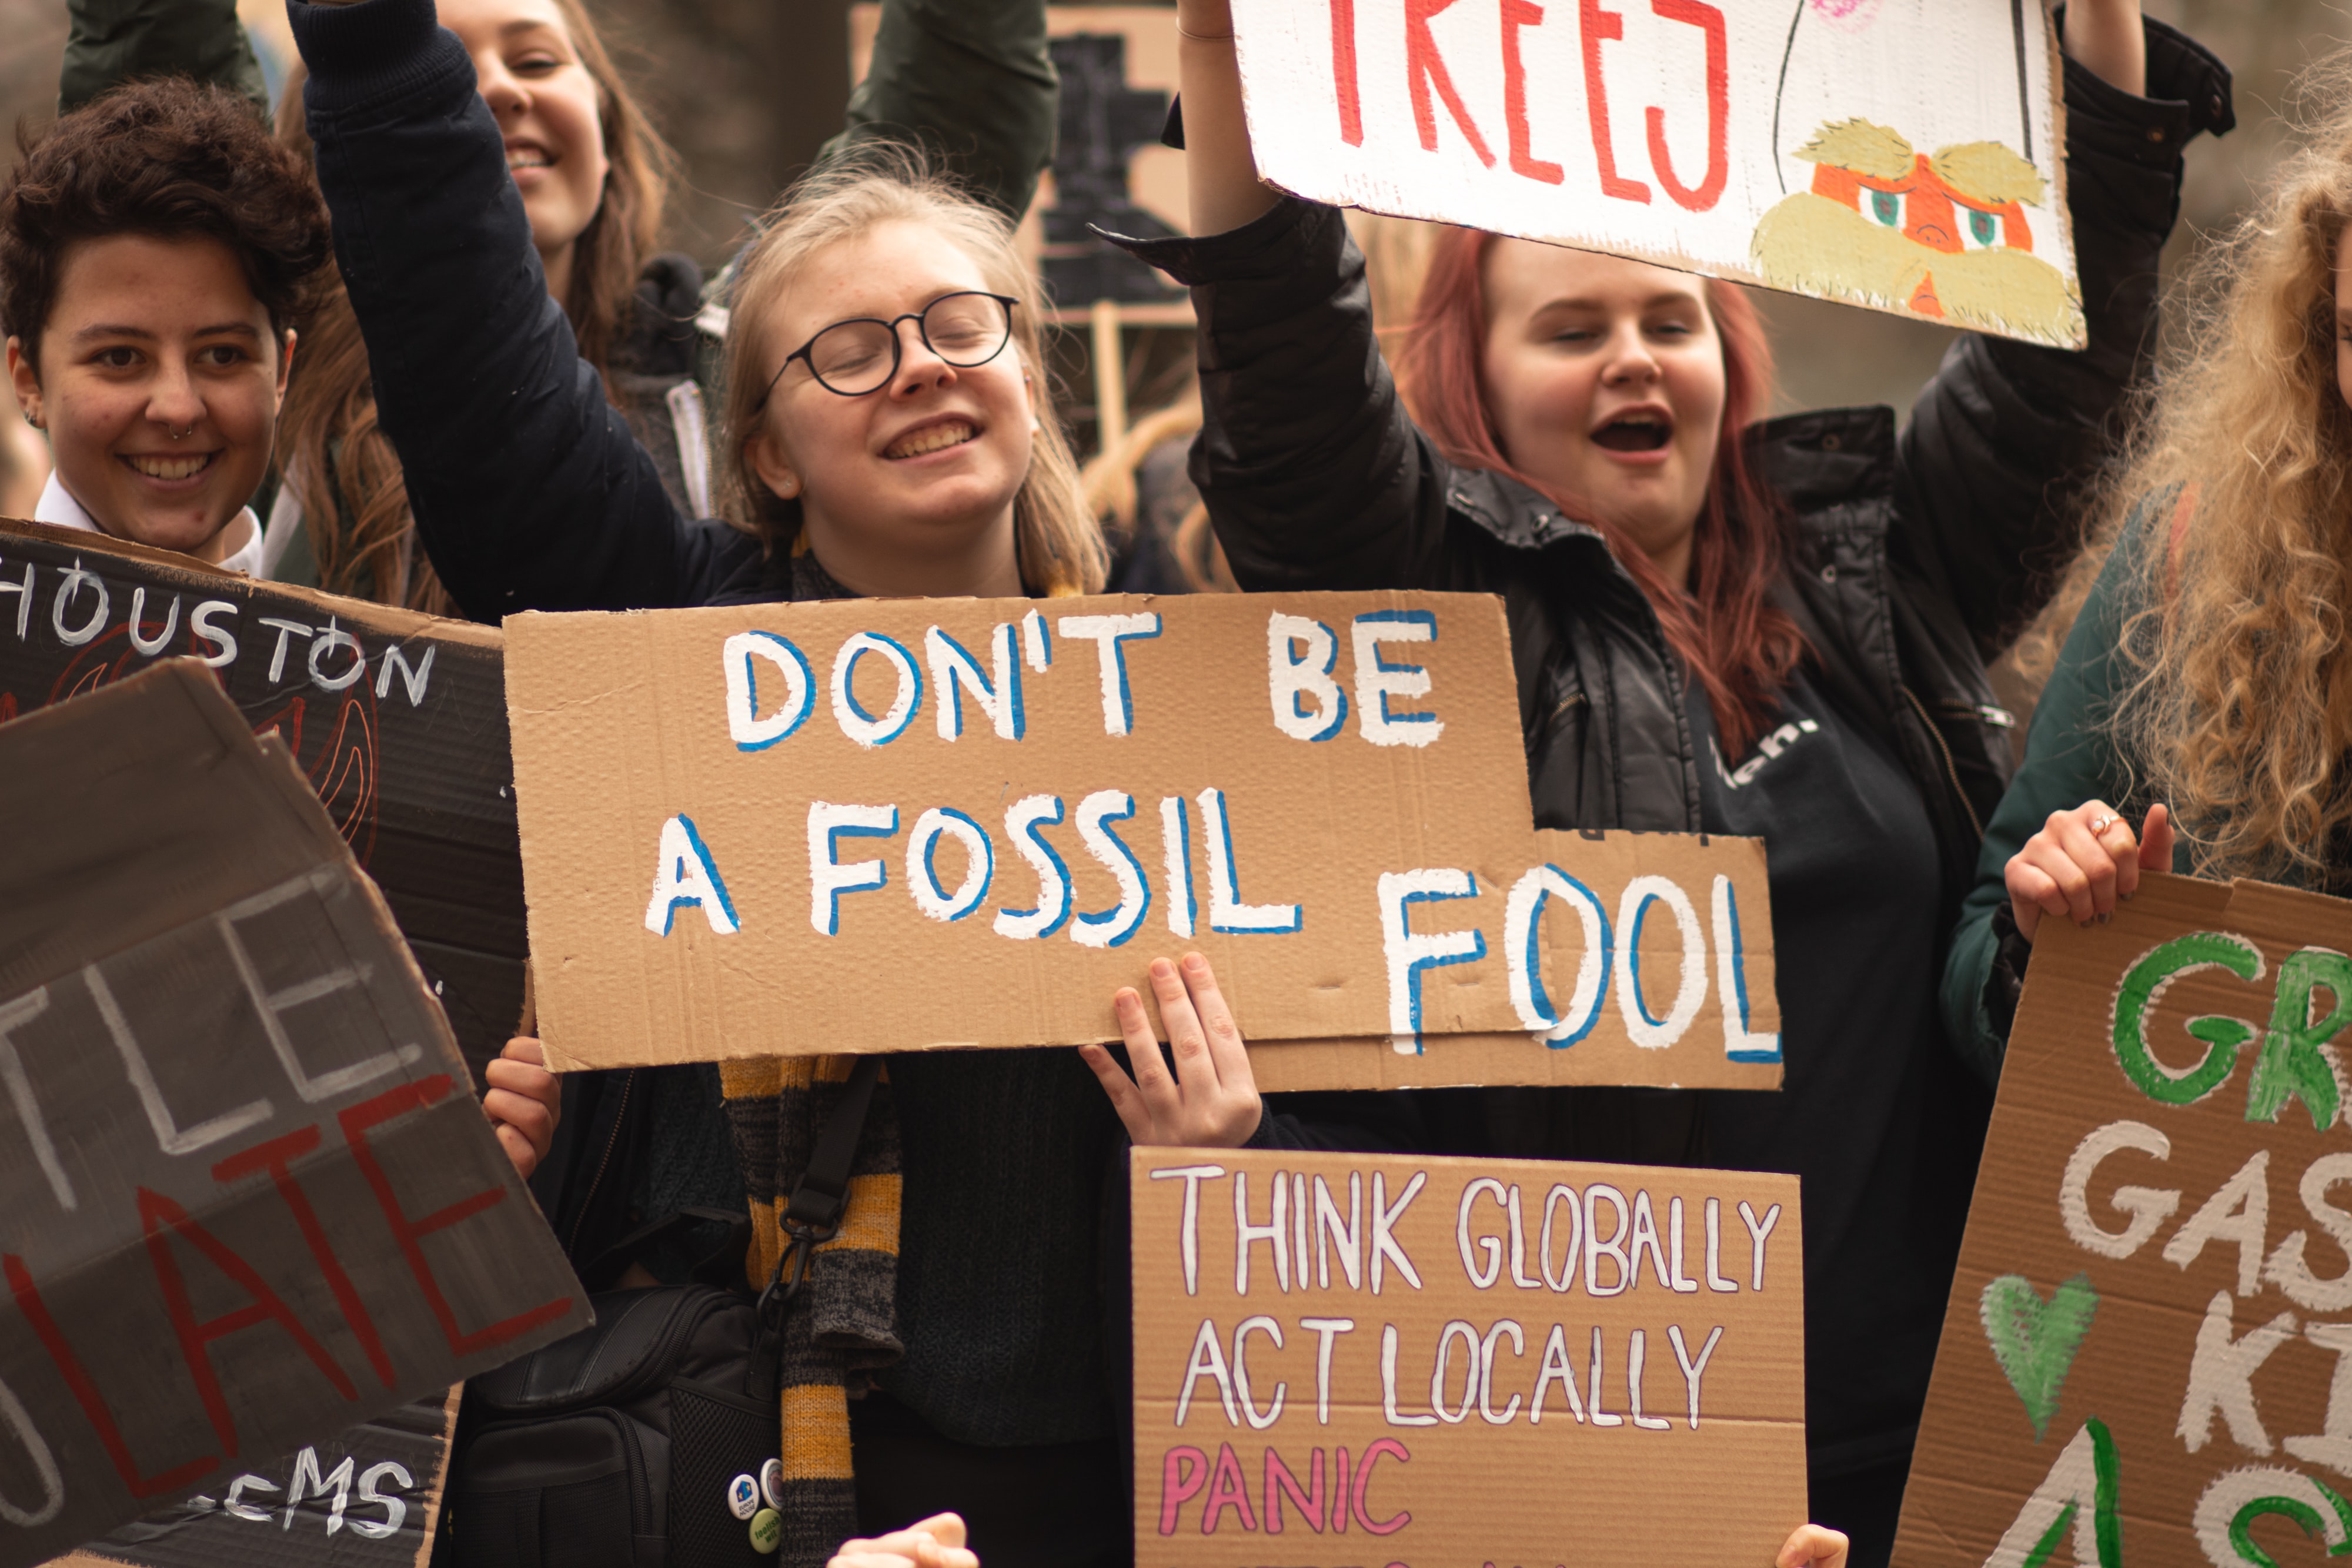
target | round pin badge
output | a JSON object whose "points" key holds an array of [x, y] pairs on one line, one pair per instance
{"points": [[742, 1496], [772, 1483], [767, 1529]]}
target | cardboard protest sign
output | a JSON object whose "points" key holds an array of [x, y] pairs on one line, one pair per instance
{"points": [[367, 1497], [398, 720], [1907, 155], [1393, 1360], [247, 1198], [2146, 1359], [746, 830]]}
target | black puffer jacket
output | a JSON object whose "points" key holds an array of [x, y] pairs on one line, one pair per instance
{"points": [[1918, 553]]}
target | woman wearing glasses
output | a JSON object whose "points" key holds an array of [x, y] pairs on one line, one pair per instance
{"points": [[887, 433]]}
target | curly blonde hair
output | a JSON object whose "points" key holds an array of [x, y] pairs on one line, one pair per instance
{"points": [[1060, 544], [2236, 490]]}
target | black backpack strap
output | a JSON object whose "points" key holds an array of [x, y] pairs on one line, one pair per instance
{"points": [[812, 1214], [823, 1191]]}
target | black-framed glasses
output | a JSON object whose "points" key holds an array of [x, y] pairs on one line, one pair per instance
{"points": [[860, 355]]}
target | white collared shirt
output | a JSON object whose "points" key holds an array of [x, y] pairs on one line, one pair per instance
{"points": [[59, 509]]}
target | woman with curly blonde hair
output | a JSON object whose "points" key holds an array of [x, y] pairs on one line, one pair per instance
{"points": [[2201, 680]]}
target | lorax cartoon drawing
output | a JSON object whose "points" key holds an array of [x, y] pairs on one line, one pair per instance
{"points": [[1940, 234]]}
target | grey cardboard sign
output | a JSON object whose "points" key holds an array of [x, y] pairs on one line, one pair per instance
{"points": [[247, 1198]]}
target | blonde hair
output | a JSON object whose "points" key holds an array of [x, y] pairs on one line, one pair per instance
{"points": [[2236, 492], [1060, 544], [338, 460]]}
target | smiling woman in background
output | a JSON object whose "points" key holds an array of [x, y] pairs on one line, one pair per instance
{"points": [[1722, 626]]}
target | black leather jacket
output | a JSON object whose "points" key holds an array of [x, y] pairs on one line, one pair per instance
{"points": [[1918, 554]]}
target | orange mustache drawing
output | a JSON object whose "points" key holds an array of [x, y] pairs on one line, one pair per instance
{"points": [[1942, 236]]}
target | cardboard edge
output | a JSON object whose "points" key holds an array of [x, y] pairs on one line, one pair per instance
{"points": [[385, 618]]}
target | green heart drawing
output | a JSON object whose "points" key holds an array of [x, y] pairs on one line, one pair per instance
{"points": [[2034, 1340]]}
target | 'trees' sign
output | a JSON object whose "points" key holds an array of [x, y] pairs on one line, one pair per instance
{"points": [[1901, 155]]}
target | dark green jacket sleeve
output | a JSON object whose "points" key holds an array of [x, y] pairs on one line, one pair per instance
{"points": [[970, 80], [116, 41], [2070, 758]]}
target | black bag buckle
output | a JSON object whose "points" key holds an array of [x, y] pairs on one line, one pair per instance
{"points": [[813, 1216]]}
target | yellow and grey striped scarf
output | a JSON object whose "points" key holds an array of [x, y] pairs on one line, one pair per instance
{"points": [[841, 1326]]}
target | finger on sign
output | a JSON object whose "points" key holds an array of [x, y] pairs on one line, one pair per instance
{"points": [[1125, 1098], [1227, 1054], [2156, 839], [1187, 1042], [2097, 854], [525, 1047]]}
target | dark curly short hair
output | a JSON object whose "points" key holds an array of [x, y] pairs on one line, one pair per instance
{"points": [[170, 159]]}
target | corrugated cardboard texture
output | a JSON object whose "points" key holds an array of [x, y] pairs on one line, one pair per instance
{"points": [[410, 758], [1724, 1044], [2148, 1332], [686, 777], [307, 1508], [1444, 1289], [249, 1199]]}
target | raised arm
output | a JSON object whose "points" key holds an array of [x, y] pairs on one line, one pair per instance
{"points": [[527, 488], [2003, 436], [115, 41], [969, 79], [1313, 473]]}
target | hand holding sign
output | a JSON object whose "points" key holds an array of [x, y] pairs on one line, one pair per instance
{"points": [[522, 1103], [1211, 1101], [2082, 861]]}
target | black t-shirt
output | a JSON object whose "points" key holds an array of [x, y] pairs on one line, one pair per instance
{"points": [[1871, 1114]]}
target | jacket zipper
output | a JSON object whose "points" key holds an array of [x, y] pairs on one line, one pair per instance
{"points": [[620, 1111], [1951, 768]]}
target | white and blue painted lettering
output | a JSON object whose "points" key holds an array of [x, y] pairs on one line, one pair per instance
{"points": [[923, 875], [1410, 952], [1731, 983], [1176, 854], [1299, 653], [1022, 820], [996, 694], [1522, 944], [829, 877], [1656, 1033], [1378, 679], [1036, 642], [864, 727], [1111, 927], [1109, 634], [1227, 913], [687, 877], [742, 655]]}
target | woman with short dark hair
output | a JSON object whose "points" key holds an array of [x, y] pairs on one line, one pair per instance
{"points": [[156, 250]]}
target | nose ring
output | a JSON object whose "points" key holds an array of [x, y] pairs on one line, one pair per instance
{"points": [[180, 435]]}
